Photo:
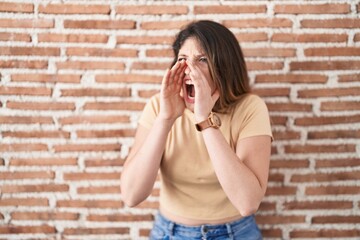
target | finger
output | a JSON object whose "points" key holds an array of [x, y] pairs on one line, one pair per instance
{"points": [[165, 80]]}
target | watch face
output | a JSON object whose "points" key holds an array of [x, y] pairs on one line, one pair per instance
{"points": [[216, 120]]}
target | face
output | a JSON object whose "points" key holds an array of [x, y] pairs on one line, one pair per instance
{"points": [[192, 53]]}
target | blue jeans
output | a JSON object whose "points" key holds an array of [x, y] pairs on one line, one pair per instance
{"points": [[245, 228]]}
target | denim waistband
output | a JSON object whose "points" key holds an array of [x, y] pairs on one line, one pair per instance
{"points": [[206, 231]]}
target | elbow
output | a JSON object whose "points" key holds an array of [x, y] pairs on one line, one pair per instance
{"points": [[249, 209], [129, 198]]}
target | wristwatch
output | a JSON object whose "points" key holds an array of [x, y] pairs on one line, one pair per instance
{"points": [[212, 121]]}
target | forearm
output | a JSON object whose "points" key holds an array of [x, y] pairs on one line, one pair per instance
{"points": [[239, 183], [142, 165]]}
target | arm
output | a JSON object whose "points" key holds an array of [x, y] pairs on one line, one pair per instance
{"points": [[243, 175], [141, 167]]}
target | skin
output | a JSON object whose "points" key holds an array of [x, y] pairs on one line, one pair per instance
{"points": [[242, 174]]}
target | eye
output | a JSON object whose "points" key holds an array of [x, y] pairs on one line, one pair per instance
{"points": [[203, 59], [181, 59]]}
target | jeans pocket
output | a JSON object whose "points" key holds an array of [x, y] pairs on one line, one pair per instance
{"points": [[157, 234]]}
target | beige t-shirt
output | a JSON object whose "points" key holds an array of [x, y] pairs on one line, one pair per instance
{"points": [[189, 186]]}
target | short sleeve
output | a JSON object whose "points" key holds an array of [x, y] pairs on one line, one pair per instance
{"points": [[254, 118], [150, 112]]}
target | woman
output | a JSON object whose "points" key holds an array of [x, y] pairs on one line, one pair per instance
{"points": [[210, 138]]}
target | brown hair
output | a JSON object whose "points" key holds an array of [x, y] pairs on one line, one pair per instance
{"points": [[226, 61]]}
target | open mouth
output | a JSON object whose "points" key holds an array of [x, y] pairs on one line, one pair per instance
{"points": [[190, 89]]}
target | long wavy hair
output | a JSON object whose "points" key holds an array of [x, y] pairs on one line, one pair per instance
{"points": [[225, 60]]}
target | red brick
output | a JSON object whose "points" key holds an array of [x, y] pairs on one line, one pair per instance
{"points": [[54, 106], [12, 229], [277, 219], [229, 9], [331, 23], [93, 65], [45, 216], [36, 134], [272, 233], [334, 219], [15, 37], [95, 231], [312, 9], [104, 162], [32, 51], [332, 190], [324, 233], [89, 176], [295, 164], [147, 93], [147, 205], [291, 78], [348, 78], [308, 148], [159, 53], [94, 119], [27, 175], [324, 65], [357, 37], [145, 39], [34, 91], [128, 78], [106, 133], [35, 188], [280, 191], [23, 147], [72, 38], [278, 120], [89, 204], [258, 66], [46, 78], [100, 24], [25, 120], [328, 120], [24, 64], [334, 134], [259, 23], [308, 37], [99, 190], [16, 7], [74, 9], [338, 162], [289, 107], [150, 65], [28, 201], [151, 9], [101, 52], [269, 52], [135, 106], [317, 205], [326, 177], [158, 25], [26, 23], [329, 92], [267, 206], [276, 177], [332, 51], [286, 135], [340, 106], [251, 37], [120, 218], [43, 162], [272, 92], [96, 92], [87, 147]]}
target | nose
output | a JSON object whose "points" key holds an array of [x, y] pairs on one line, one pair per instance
{"points": [[187, 70]]}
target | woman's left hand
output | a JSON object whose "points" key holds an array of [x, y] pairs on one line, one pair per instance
{"points": [[205, 93]]}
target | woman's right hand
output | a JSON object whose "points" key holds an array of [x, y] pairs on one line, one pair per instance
{"points": [[172, 104]]}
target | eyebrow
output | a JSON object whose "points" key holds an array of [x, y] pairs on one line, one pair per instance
{"points": [[197, 56]]}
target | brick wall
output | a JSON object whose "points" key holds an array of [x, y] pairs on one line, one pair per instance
{"points": [[75, 76]]}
